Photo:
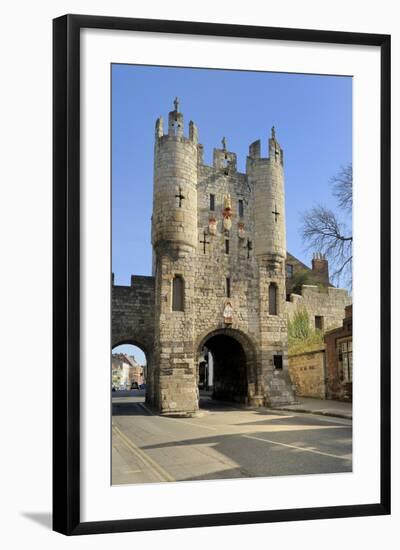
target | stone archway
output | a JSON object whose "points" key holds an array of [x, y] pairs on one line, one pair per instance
{"points": [[148, 352], [234, 364]]}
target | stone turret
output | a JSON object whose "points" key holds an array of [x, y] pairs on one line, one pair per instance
{"points": [[266, 177], [175, 240], [175, 184], [269, 197]]}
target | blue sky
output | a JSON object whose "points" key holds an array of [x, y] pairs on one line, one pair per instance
{"points": [[312, 115]]}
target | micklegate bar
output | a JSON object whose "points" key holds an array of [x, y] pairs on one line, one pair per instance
{"points": [[218, 289]]}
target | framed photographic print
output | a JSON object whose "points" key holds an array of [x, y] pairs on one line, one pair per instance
{"points": [[221, 274]]}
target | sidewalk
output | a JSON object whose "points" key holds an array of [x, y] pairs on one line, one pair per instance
{"points": [[327, 407]]}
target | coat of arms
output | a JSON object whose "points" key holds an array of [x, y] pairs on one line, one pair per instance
{"points": [[227, 213], [212, 226], [228, 313], [241, 231]]}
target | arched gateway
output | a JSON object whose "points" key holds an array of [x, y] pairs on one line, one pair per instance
{"points": [[219, 249], [233, 358]]}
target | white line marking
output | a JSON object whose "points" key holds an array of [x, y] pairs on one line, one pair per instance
{"points": [[332, 419], [305, 449], [190, 423]]}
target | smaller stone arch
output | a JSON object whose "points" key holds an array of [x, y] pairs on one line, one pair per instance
{"points": [[147, 349], [132, 341]]}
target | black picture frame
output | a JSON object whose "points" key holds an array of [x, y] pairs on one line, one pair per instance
{"points": [[66, 272]]}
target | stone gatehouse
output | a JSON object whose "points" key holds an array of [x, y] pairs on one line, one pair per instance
{"points": [[218, 284]]}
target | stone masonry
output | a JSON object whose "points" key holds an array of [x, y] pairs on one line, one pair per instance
{"points": [[218, 237], [308, 373], [327, 303]]}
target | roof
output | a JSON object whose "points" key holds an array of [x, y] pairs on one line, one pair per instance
{"points": [[128, 359], [291, 258]]}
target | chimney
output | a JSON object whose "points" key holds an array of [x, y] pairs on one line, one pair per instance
{"points": [[320, 268]]}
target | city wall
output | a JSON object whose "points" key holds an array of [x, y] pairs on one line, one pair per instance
{"points": [[307, 373], [133, 313], [328, 303]]}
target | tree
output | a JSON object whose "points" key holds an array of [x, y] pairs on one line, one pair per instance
{"points": [[299, 279], [323, 230], [299, 327]]}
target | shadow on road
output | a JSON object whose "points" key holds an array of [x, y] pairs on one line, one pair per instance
{"points": [[129, 409], [256, 455], [275, 443], [206, 402]]}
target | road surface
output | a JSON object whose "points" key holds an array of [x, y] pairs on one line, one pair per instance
{"points": [[223, 442]]}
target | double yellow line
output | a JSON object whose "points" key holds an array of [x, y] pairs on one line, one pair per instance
{"points": [[147, 461]]}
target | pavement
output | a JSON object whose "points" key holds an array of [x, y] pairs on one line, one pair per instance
{"points": [[326, 407], [224, 442]]}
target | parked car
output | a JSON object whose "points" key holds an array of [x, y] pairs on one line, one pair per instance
{"points": [[142, 386]]}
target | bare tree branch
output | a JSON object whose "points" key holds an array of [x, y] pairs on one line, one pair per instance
{"points": [[323, 232], [345, 266], [343, 187]]}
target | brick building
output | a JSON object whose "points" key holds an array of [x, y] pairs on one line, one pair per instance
{"points": [[339, 360], [125, 371]]}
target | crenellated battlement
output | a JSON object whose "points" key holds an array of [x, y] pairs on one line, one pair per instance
{"points": [[181, 179], [275, 152], [137, 282], [176, 132], [176, 128], [224, 161]]}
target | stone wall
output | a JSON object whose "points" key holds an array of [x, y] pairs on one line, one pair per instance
{"points": [[133, 313], [133, 320], [328, 303], [307, 373], [175, 361], [250, 273], [213, 266]]}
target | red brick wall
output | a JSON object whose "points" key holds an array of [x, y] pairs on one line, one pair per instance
{"points": [[337, 388]]}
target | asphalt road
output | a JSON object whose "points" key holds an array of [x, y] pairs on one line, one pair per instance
{"points": [[224, 442]]}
